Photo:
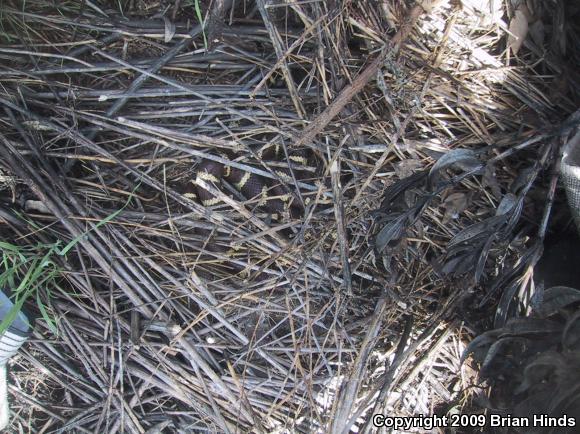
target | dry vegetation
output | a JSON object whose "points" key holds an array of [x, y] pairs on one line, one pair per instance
{"points": [[363, 304]]}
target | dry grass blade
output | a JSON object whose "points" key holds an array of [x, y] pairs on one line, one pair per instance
{"points": [[423, 137]]}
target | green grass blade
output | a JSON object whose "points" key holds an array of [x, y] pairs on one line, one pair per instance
{"points": [[13, 312], [201, 21], [107, 219], [50, 322]]}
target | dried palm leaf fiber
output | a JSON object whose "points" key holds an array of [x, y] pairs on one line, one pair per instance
{"points": [[571, 175]]}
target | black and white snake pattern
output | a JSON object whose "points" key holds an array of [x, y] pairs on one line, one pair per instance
{"points": [[276, 196]]}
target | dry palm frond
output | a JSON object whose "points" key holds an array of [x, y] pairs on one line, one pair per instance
{"points": [[535, 359], [176, 316]]}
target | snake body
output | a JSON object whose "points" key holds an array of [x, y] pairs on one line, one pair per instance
{"points": [[273, 196], [294, 183]]}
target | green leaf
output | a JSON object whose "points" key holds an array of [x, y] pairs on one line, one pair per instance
{"points": [[13, 312], [200, 19], [50, 322], [107, 219]]}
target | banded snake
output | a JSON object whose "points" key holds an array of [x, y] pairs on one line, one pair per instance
{"points": [[277, 196]]}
